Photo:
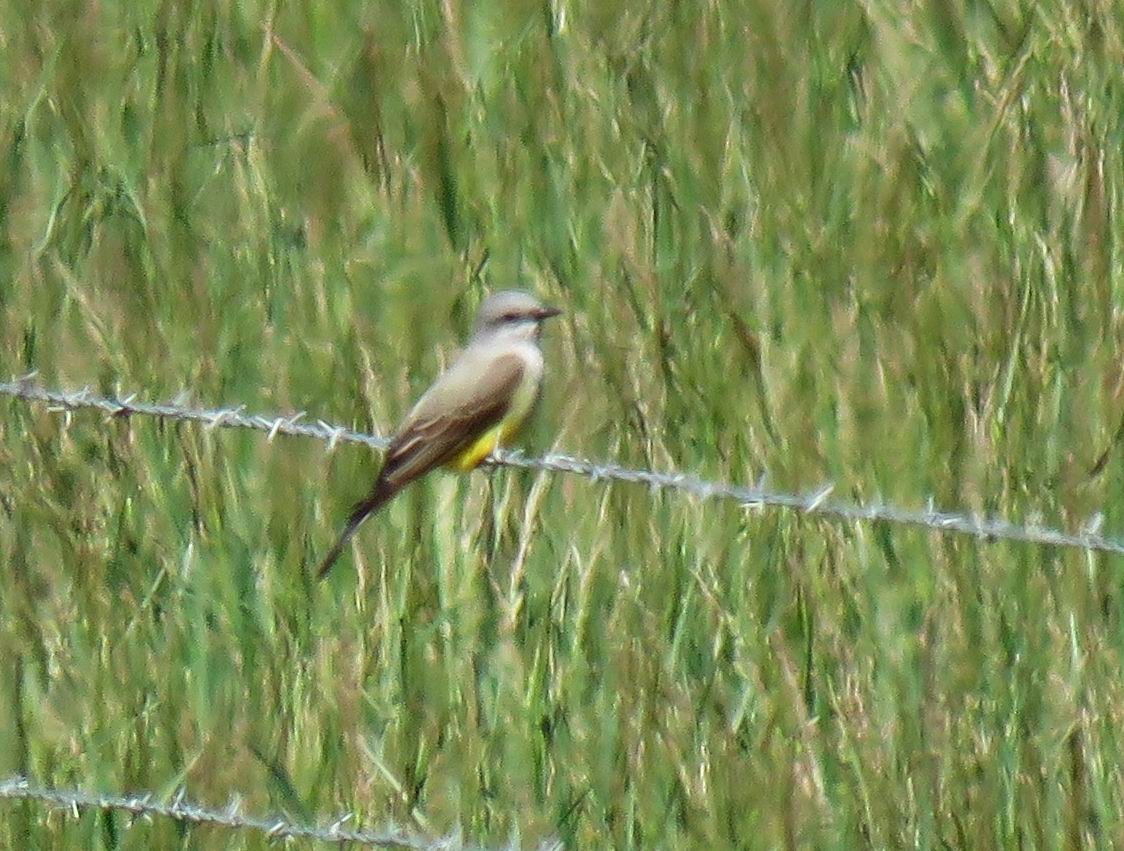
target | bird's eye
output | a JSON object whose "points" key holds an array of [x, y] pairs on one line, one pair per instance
{"points": [[510, 316]]}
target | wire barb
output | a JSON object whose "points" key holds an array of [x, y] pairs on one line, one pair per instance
{"points": [[817, 503]]}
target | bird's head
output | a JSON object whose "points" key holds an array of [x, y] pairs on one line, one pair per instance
{"points": [[512, 313]]}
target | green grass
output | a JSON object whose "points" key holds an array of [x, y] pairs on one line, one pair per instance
{"points": [[879, 246]]}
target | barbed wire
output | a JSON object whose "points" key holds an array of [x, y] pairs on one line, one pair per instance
{"points": [[182, 810], [817, 503]]}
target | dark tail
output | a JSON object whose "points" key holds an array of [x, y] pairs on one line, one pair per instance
{"points": [[379, 495]]}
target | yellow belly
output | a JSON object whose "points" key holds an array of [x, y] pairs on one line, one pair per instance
{"points": [[484, 445]]}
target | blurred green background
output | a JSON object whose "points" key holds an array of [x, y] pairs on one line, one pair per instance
{"points": [[877, 245]]}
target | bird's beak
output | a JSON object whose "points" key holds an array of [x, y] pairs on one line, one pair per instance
{"points": [[546, 312]]}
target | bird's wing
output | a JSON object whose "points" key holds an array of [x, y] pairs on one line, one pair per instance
{"points": [[466, 401]]}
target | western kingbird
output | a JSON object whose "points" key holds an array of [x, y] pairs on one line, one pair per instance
{"points": [[477, 404]]}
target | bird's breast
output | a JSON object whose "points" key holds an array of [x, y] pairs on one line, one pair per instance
{"points": [[525, 396]]}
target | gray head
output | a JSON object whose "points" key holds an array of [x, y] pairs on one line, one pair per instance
{"points": [[513, 313]]}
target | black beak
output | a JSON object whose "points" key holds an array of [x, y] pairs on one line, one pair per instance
{"points": [[546, 312]]}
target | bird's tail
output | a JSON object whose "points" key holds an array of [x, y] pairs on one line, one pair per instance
{"points": [[381, 492]]}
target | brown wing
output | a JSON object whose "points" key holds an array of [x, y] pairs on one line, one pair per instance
{"points": [[464, 403]]}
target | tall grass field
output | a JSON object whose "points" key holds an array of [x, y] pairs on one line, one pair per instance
{"points": [[872, 245]]}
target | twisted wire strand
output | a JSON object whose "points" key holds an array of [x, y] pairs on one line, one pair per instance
{"points": [[817, 503], [182, 810]]}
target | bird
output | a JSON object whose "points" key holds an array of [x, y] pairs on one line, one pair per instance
{"points": [[476, 405]]}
